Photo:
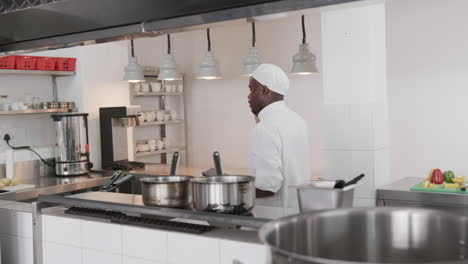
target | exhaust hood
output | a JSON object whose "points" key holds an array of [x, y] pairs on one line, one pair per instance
{"points": [[31, 25]]}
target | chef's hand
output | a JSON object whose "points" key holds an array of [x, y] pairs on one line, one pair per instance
{"points": [[211, 172]]}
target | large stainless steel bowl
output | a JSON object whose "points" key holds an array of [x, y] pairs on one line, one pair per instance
{"points": [[368, 235], [224, 194], [166, 191]]}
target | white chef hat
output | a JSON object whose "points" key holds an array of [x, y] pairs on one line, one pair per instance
{"points": [[272, 77]]}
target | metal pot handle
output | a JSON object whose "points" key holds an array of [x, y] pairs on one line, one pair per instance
{"points": [[175, 163], [217, 163]]}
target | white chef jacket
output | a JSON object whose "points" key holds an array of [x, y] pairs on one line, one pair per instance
{"points": [[279, 154]]}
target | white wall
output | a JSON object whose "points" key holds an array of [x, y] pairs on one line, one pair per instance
{"points": [[218, 115], [427, 86]]}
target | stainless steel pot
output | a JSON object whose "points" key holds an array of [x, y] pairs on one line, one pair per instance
{"points": [[368, 235], [166, 191], [224, 194]]}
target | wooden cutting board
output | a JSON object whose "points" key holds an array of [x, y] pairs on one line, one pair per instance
{"points": [[18, 187]]}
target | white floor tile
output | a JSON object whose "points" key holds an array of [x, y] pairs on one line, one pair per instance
{"points": [[63, 230], [61, 254], [91, 256], [102, 236], [144, 243]]}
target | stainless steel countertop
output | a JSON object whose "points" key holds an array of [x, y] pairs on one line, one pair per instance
{"points": [[47, 185], [400, 191]]}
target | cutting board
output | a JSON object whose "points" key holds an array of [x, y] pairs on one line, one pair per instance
{"points": [[418, 187], [18, 187]]}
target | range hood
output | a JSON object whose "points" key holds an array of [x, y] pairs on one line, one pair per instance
{"points": [[31, 25]]}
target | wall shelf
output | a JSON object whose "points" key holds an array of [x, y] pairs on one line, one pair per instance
{"points": [[158, 123], [34, 72], [38, 111], [156, 94], [158, 152]]}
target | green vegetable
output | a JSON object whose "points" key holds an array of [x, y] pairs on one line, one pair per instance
{"points": [[448, 176]]}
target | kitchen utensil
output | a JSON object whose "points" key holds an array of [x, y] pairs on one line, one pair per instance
{"points": [[156, 87], [72, 152], [320, 194], [217, 163], [160, 144], [121, 179], [174, 163], [339, 184], [112, 179], [150, 116], [367, 235], [152, 144], [167, 191], [159, 115], [141, 117], [233, 194], [137, 87], [355, 180]]}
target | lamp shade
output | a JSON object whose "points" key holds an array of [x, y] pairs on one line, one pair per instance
{"points": [[133, 71], [251, 62], [209, 68], [304, 61], [168, 70]]}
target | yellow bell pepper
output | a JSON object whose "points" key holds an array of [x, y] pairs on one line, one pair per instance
{"points": [[459, 179]]}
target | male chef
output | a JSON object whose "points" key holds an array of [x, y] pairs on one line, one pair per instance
{"points": [[279, 149]]}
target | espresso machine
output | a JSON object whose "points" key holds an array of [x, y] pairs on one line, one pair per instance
{"points": [[117, 144], [72, 152]]}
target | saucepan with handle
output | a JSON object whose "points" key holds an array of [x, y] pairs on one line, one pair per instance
{"points": [[229, 194], [172, 191]]}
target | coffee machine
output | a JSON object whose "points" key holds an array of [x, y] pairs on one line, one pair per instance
{"points": [[117, 144], [72, 152]]}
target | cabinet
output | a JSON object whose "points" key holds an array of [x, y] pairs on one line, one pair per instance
{"points": [[162, 118]]}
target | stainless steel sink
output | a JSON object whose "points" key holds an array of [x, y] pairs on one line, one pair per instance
{"points": [[368, 235]]}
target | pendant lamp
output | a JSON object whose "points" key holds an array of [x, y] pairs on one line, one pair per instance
{"points": [[168, 70], [209, 68], [133, 71], [253, 59], [304, 60]]}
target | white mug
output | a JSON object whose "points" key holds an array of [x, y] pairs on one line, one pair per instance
{"points": [[159, 115], [137, 87], [180, 88], [167, 116], [166, 142], [160, 144], [145, 87], [143, 147], [152, 144], [16, 106], [156, 87], [141, 117], [173, 114], [150, 116]]}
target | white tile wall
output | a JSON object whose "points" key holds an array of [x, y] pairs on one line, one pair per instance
{"points": [[242, 253], [60, 254], [101, 236], [183, 249], [91, 256], [144, 243], [63, 230]]}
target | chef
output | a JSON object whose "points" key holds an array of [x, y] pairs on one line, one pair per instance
{"points": [[279, 148]]}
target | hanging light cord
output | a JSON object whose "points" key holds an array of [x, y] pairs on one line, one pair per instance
{"points": [[303, 31], [133, 52], [168, 44], [208, 37], [253, 34]]}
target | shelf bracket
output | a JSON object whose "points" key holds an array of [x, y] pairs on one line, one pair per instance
{"points": [[54, 88]]}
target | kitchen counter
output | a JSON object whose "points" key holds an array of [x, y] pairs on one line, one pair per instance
{"points": [[56, 185], [399, 194]]}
